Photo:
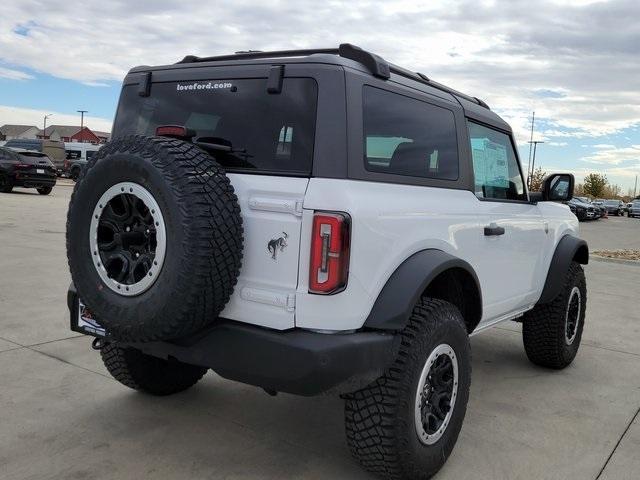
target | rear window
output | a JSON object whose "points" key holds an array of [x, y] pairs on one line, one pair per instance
{"points": [[32, 154], [267, 132], [27, 145], [403, 136]]}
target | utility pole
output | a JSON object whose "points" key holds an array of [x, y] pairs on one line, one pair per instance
{"points": [[635, 187], [81, 112], [44, 130], [533, 120], [533, 162]]}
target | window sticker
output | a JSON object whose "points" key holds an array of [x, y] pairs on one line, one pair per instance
{"points": [[496, 165], [490, 164]]}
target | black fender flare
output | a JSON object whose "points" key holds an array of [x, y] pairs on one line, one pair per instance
{"points": [[569, 248], [396, 300]]}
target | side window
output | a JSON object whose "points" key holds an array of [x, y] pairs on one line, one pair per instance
{"points": [[73, 154], [495, 165], [403, 136]]}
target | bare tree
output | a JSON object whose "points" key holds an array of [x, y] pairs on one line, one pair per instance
{"points": [[535, 182]]}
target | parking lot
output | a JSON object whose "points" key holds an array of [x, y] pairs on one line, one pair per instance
{"points": [[62, 416]]}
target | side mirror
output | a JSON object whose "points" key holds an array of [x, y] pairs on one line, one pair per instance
{"points": [[558, 187]]}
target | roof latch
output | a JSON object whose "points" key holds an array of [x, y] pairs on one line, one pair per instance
{"points": [[274, 82], [144, 87]]}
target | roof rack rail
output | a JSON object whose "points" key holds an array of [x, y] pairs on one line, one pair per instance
{"points": [[375, 64], [422, 78], [259, 54]]}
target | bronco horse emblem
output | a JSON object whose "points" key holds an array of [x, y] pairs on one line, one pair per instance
{"points": [[276, 244]]}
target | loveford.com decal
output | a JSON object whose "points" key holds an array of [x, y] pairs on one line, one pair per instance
{"points": [[193, 86]]}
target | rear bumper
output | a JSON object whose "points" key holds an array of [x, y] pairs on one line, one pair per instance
{"points": [[293, 361], [33, 181]]}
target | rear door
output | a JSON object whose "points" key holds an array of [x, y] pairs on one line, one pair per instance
{"points": [[271, 142]]}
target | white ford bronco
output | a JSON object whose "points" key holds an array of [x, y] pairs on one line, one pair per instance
{"points": [[317, 221]]}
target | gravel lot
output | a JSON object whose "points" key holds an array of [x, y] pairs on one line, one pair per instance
{"points": [[62, 416]]}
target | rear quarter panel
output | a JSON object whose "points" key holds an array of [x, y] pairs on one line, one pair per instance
{"points": [[388, 226]]}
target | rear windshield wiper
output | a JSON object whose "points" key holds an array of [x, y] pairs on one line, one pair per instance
{"points": [[236, 157]]}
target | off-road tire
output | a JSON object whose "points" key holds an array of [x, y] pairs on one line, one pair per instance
{"points": [[149, 374], [544, 328], [75, 174], [45, 190], [204, 238], [379, 419]]}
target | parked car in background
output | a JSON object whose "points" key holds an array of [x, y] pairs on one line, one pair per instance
{"points": [[598, 211], [634, 209], [51, 148], [614, 207], [77, 155], [581, 209], [26, 168]]}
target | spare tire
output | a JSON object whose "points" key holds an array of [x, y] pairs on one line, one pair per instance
{"points": [[154, 238]]}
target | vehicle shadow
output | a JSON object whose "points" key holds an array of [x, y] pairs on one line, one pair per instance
{"points": [[223, 429]]}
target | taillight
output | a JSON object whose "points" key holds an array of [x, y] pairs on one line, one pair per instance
{"points": [[330, 240], [66, 164], [177, 131], [21, 165]]}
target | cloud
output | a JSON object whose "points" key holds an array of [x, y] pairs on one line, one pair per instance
{"points": [[14, 74], [28, 116], [574, 62], [610, 155]]}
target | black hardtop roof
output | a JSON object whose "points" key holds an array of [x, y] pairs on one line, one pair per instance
{"points": [[349, 56]]}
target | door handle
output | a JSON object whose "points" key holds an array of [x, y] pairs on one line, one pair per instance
{"points": [[493, 230]]}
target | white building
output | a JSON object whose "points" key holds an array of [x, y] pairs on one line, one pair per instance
{"points": [[9, 132]]}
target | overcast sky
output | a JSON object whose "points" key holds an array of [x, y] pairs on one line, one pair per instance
{"points": [[576, 63]]}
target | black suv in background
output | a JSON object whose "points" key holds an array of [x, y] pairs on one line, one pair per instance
{"points": [[614, 207], [26, 168], [581, 209], [53, 149]]}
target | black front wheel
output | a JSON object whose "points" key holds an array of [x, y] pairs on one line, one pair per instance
{"points": [[552, 332], [5, 184], [44, 190], [149, 374], [406, 423]]}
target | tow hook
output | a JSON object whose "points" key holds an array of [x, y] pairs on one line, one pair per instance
{"points": [[98, 343]]}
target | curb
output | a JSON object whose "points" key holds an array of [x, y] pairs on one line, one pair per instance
{"points": [[635, 263]]}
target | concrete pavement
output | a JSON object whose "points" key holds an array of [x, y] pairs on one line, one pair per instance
{"points": [[62, 416]]}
